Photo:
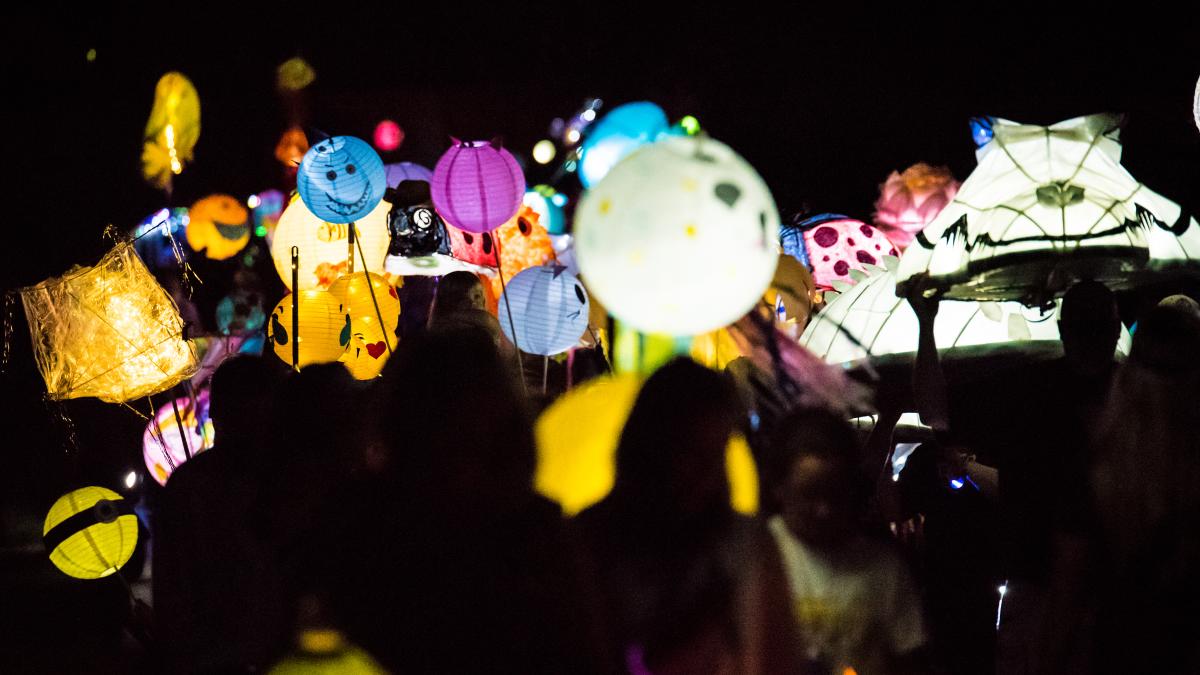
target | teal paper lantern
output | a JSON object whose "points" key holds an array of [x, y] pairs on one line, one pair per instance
{"points": [[548, 204], [617, 134]]}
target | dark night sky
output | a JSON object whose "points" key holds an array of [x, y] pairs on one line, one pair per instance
{"points": [[823, 107]]}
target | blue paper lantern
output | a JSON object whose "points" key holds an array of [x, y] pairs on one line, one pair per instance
{"points": [[406, 171], [548, 308], [617, 134], [548, 205], [341, 179]]}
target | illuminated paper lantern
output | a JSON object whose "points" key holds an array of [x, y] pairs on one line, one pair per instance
{"points": [[172, 130], [322, 651], [548, 308], [911, 200], [294, 74], [577, 440], [402, 171], [388, 135], [867, 315], [108, 331], [374, 311], [680, 238], [218, 225], [523, 244], [1196, 105], [833, 246], [325, 247], [162, 443], [1046, 206], [291, 147], [477, 248], [90, 533], [623, 130], [323, 333], [341, 179], [477, 186], [548, 205]]}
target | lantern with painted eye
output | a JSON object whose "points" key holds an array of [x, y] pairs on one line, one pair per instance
{"points": [[162, 442], [679, 238], [402, 171], [477, 186], [417, 231], [219, 226], [374, 311], [548, 309], [322, 333], [833, 245], [477, 248], [524, 243], [324, 246], [90, 533], [341, 179]]}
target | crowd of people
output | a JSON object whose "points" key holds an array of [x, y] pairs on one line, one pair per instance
{"points": [[401, 513]]}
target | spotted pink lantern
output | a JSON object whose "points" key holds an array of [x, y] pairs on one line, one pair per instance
{"points": [[835, 247], [911, 200], [477, 186]]}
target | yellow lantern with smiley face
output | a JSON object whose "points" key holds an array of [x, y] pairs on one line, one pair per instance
{"points": [[374, 310], [218, 225]]}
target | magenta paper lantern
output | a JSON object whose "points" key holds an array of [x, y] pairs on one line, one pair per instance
{"points": [[911, 200], [388, 136], [477, 186], [401, 171], [836, 247]]}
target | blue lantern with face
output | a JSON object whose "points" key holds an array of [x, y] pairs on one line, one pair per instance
{"points": [[341, 179]]}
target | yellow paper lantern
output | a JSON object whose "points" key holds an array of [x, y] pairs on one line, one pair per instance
{"points": [[172, 130], [218, 225], [108, 331], [90, 533], [374, 311], [322, 332], [325, 247], [715, 349], [324, 651], [577, 441]]}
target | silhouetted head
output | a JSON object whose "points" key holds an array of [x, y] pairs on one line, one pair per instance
{"points": [[411, 193], [812, 477], [242, 396], [1089, 326], [1182, 303], [456, 292], [1167, 340], [671, 456]]}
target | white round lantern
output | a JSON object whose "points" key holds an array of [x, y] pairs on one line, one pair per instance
{"points": [[679, 238], [325, 247], [548, 309]]}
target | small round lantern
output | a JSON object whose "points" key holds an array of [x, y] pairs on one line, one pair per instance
{"points": [[388, 136], [162, 444], [401, 171], [680, 238], [324, 329], [616, 135], [374, 312], [341, 179], [477, 186], [218, 225], [325, 247], [548, 309], [90, 533]]}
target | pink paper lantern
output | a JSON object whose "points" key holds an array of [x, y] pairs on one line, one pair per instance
{"points": [[388, 136], [836, 247], [162, 443], [911, 200], [402, 171], [477, 186]]}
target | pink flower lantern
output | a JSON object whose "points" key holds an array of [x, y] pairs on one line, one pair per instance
{"points": [[477, 186], [911, 200]]}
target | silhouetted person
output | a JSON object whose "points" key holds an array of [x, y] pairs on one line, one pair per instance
{"points": [[853, 599], [461, 303], [215, 583], [687, 584]]}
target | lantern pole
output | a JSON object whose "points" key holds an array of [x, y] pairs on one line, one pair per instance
{"points": [[371, 287], [351, 231], [508, 309], [545, 372], [296, 307], [187, 451]]}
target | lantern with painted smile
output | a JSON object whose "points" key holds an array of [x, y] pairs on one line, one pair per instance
{"points": [[341, 179], [218, 225]]}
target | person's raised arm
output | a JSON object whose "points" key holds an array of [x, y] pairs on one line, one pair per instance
{"points": [[929, 384]]}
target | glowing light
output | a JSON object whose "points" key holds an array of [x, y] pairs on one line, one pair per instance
{"points": [[572, 136], [253, 201], [544, 151], [956, 483], [388, 135], [559, 199], [1002, 589], [91, 55], [260, 231], [690, 124], [588, 115], [130, 480], [176, 166]]}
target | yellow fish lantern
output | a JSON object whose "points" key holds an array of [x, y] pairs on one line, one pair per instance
{"points": [[577, 440], [218, 225], [172, 130], [325, 247], [374, 310], [321, 333], [90, 533]]}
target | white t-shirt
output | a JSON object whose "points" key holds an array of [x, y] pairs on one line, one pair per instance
{"points": [[854, 607]]}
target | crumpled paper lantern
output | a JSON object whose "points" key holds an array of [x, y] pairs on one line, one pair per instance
{"points": [[577, 438], [833, 245], [218, 225], [322, 333], [291, 147], [162, 443], [371, 342], [611, 139], [679, 238], [548, 309], [172, 130], [90, 533], [108, 331], [911, 200], [1046, 206], [477, 186], [341, 179], [324, 247], [402, 171]]}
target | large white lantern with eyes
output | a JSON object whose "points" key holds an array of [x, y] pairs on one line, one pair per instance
{"points": [[681, 237]]}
